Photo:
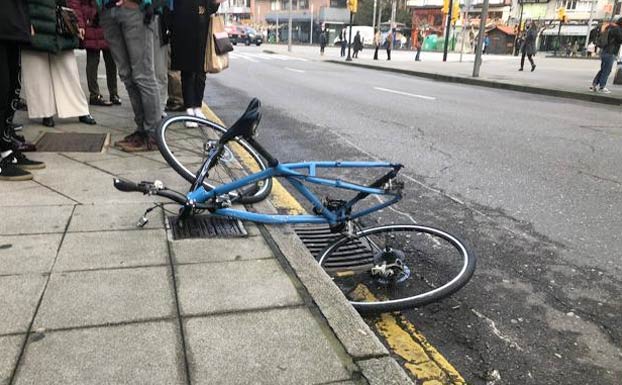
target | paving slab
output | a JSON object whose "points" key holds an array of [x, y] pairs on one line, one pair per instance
{"points": [[34, 220], [220, 249], [121, 165], [112, 249], [20, 191], [89, 298], [231, 286], [10, 347], [114, 216], [284, 346], [20, 254], [145, 353], [19, 296]]}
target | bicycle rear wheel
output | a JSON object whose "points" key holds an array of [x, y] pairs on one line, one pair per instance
{"points": [[186, 149], [408, 266]]}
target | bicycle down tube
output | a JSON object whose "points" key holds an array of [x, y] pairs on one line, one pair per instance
{"points": [[288, 171]]}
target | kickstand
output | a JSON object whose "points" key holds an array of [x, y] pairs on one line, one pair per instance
{"points": [[143, 220]]}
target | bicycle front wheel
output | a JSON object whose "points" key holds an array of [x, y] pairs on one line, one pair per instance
{"points": [[406, 266], [186, 149]]}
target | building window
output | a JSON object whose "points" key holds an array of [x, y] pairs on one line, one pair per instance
{"points": [[275, 5], [337, 3]]}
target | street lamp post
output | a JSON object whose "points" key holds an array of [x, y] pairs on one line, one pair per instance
{"points": [[447, 29], [311, 27], [289, 28], [349, 58]]}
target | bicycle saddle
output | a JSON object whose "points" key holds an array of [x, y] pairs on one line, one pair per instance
{"points": [[246, 125]]}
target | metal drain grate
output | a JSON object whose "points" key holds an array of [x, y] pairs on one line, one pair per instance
{"points": [[206, 226], [71, 142], [355, 254]]}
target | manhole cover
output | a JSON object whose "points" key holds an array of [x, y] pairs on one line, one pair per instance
{"points": [[206, 226], [355, 254], [71, 142]]}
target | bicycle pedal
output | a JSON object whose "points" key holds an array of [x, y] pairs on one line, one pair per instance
{"points": [[142, 221]]}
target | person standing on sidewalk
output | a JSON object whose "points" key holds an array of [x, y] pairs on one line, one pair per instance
{"points": [[343, 40], [377, 40], [323, 39], [418, 45], [357, 45], [14, 30], [128, 28], [612, 39], [528, 47], [191, 20], [92, 40], [388, 43], [50, 77]]}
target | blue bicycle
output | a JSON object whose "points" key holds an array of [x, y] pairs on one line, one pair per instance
{"points": [[379, 268]]}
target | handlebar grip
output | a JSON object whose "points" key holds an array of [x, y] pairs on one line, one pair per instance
{"points": [[126, 185]]}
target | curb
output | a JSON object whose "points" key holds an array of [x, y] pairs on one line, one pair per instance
{"points": [[587, 97]]}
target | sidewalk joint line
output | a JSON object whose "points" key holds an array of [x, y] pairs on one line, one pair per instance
{"points": [[224, 313], [34, 316], [107, 324], [223, 261], [57, 192]]}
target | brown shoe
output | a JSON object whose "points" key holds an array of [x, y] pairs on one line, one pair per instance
{"points": [[127, 139], [140, 144]]}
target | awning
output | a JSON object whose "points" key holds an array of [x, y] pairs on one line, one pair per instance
{"points": [[567, 30]]}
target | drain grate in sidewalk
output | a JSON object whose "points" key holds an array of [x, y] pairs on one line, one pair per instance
{"points": [[206, 226], [71, 142], [352, 255]]}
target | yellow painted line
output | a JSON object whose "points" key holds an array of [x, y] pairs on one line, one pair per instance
{"points": [[421, 358], [281, 199]]}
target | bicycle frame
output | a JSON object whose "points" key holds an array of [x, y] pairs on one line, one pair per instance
{"points": [[290, 172]]}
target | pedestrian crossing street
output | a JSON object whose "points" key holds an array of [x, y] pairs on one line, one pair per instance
{"points": [[256, 57]]}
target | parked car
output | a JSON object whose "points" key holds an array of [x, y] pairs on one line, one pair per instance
{"points": [[235, 32], [251, 36]]}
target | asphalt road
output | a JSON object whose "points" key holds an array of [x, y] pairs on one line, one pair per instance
{"points": [[532, 183]]}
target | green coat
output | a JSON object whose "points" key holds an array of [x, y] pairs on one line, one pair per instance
{"points": [[43, 20]]}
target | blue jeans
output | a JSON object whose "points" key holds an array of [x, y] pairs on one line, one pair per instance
{"points": [[606, 64]]}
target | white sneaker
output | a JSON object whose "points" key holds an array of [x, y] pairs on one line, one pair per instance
{"points": [[190, 111], [604, 90], [199, 113]]}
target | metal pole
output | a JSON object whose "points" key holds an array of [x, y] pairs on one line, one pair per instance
{"points": [[393, 11], [349, 58], [559, 37], [589, 25], [289, 28], [520, 27], [465, 19], [277, 26], [311, 29], [379, 16], [447, 29], [480, 39], [373, 18]]}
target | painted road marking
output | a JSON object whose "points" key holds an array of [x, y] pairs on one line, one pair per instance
{"points": [[295, 70], [405, 93], [237, 55], [422, 360]]}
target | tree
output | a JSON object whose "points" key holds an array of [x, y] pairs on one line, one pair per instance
{"points": [[365, 12]]}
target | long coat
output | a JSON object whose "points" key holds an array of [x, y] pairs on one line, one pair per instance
{"points": [[14, 21], [88, 19], [529, 44], [357, 45], [189, 26], [43, 19]]}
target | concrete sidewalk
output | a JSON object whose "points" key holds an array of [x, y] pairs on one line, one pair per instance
{"points": [[561, 77], [87, 298]]}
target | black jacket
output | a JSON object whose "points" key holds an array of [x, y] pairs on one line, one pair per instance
{"points": [[14, 21], [614, 39], [190, 22]]}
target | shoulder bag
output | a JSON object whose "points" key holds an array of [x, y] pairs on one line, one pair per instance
{"points": [[218, 46]]}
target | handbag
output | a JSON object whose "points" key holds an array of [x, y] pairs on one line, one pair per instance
{"points": [[66, 22], [218, 46]]}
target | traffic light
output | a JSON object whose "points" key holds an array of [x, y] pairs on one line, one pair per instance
{"points": [[445, 8], [353, 5], [455, 12]]}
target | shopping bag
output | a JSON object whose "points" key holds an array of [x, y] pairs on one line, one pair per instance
{"points": [[218, 46]]}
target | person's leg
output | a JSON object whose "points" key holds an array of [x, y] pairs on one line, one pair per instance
{"points": [[111, 73], [530, 57], [175, 97], [199, 89], [5, 95], [92, 64], [14, 82], [160, 65], [113, 32], [139, 41], [606, 66], [522, 60], [70, 99], [376, 53], [417, 57], [187, 88], [37, 84]]}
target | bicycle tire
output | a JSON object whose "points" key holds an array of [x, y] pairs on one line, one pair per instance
{"points": [[190, 143], [414, 290]]}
